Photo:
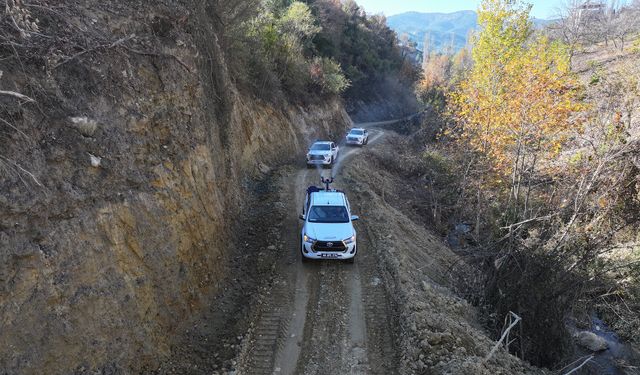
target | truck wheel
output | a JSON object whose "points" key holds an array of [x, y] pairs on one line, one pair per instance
{"points": [[304, 258]]}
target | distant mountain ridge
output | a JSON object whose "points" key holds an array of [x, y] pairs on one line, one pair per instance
{"points": [[446, 31]]}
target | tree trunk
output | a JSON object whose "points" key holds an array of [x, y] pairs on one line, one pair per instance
{"points": [[477, 226]]}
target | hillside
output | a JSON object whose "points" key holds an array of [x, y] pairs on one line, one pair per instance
{"points": [[149, 203], [124, 166], [154, 166], [444, 30], [541, 140]]}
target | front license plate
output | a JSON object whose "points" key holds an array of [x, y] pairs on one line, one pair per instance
{"points": [[330, 255]]}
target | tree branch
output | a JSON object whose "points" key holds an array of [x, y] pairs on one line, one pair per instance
{"points": [[114, 44], [17, 95], [582, 364], [13, 127], [540, 218], [515, 321]]}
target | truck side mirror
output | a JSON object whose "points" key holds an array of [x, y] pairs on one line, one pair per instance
{"points": [[301, 217], [355, 217]]}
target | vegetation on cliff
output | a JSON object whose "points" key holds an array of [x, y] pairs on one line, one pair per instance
{"points": [[322, 47]]}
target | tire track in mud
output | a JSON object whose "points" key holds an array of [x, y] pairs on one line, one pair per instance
{"points": [[358, 352], [383, 356], [287, 355], [321, 317], [268, 333], [275, 316], [326, 333]]}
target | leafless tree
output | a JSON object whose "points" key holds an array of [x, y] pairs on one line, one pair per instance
{"points": [[588, 22], [626, 24], [569, 27]]}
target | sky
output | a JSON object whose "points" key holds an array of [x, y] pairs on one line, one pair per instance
{"points": [[541, 8]]}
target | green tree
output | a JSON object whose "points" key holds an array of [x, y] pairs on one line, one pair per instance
{"points": [[327, 74], [326, 46], [298, 23]]}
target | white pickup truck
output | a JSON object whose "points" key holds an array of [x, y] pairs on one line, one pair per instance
{"points": [[322, 153], [327, 232], [358, 137]]}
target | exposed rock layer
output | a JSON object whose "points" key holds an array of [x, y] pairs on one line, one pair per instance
{"points": [[116, 203]]}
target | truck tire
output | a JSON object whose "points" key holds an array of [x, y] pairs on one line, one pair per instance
{"points": [[304, 258]]}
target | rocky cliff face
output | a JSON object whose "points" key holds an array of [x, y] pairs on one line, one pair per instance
{"points": [[119, 183]]}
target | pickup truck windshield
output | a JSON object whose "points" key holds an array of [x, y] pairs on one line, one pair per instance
{"points": [[320, 147], [357, 132], [328, 214]]}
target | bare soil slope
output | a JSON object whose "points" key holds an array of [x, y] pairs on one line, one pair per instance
{"points": [[120, 182]]}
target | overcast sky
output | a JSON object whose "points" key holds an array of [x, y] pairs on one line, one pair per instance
{"points": [[541, 8]]}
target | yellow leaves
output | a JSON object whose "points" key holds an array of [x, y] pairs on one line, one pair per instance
{"points": [[440, 73], [602, 202], [519, 100]]}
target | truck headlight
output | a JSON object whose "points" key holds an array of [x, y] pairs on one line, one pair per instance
{"points": [[350, 240], [308, 239]]}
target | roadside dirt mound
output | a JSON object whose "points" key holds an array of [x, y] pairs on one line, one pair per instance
{"points": [[439, 333]]}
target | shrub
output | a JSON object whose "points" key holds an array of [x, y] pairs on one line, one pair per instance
{"points": [[284, 48], [328, 75], [635, 48]]}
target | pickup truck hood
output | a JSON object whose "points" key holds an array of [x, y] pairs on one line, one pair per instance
{"points": [[329, 231], [319, 152]]}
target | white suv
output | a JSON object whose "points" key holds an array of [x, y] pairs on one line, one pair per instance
{"points": [[358, 136], [322, 153], [327, 232]]}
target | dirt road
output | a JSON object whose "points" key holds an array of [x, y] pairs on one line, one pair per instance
{"points": [[321, 317]]}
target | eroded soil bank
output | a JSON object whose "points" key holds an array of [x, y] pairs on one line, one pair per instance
{"points": [[122, 181]]}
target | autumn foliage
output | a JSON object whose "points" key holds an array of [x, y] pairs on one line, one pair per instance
{"points": [[440, 73], [549, 178], [516, 104]]}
